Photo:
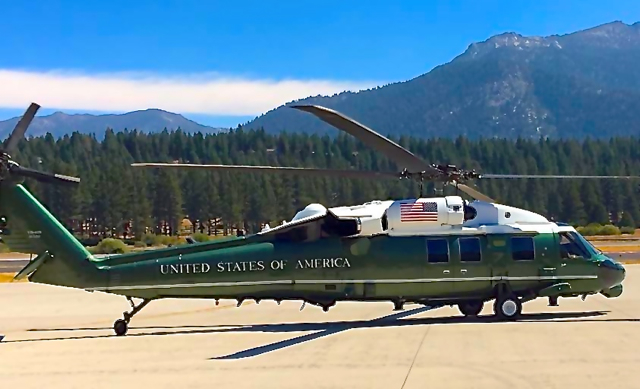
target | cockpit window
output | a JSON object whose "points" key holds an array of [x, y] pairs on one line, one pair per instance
{"points": [[591, 248], [572, 246]]}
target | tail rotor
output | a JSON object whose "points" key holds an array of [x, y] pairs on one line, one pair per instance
{"points": [[11, 170]]}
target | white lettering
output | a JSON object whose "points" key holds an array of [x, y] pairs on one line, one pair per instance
{"points": [[323, 263], [186, 268], [253, 266], [240, 266]]}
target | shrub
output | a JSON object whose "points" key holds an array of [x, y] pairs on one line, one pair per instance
{"points": [[4, 248], [628, 230], [597, 229], [110, 246], [588, 230], [609, 230], [200, 237]]}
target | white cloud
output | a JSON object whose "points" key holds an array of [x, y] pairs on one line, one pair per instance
{"points": [[211, 94]]}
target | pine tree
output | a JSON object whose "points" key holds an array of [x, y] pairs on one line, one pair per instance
{"points": [[112, 194]]}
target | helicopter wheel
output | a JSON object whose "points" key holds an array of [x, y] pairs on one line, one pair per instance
{"points": [[120, 327], [507, 307], [471, 308]]}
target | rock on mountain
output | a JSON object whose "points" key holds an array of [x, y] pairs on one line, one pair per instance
{"points": [[581, 84], [150, 120]]}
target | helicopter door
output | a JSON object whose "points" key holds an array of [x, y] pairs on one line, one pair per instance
{"points": [[472, 264], [523, 264], [438, 269], [546, 253]]}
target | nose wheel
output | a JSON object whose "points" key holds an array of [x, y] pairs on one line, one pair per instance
{"points": [[121, 326]]}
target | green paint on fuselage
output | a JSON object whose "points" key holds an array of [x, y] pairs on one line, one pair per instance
{"points": [[331, 268]]}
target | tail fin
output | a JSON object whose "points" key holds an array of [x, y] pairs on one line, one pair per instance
{"points": [[27, 226]]}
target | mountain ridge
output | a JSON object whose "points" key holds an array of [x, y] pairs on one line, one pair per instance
{"points": [[145, 120], [579, 84], [583, 83]]}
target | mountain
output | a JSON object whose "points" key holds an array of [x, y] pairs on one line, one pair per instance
{"points": [[581, 84], [150, 120]]}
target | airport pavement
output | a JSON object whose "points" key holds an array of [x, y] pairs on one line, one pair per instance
{"points": [[58, 337]]}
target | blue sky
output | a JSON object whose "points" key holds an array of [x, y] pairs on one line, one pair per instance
{"points": [[222, 62]]}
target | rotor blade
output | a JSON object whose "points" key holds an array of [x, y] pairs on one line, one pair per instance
{"points": [[551, 176], [475, 193], [18, 132], [398, 154], [274, 169], [52, 178]]}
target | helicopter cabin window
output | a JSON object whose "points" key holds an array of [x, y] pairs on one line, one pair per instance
{"points": [[522, 248], [571, 246], [470, 250], [437, 250]]}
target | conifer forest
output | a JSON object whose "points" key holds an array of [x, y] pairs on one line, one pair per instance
{"points": [[115, 199]]}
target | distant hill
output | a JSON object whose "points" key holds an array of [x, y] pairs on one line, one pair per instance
{"points": [[582, 84], [150, 120]]}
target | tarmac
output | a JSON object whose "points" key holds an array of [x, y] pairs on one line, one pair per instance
{"points": [[62, 338]]}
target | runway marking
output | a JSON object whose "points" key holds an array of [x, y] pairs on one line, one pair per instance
{"points": [[8, 277], [415, 356]]}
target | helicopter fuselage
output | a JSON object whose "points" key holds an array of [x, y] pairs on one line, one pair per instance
{"points": [[324, 256]]}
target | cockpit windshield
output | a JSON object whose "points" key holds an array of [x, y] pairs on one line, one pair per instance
{"points": [[590, 246], [574, 245]]}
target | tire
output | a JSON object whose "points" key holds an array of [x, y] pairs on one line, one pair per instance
{"points": [[471, 308], [508, 307], [120, 327]]}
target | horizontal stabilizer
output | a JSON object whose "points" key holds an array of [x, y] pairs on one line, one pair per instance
{"points": [[32, 266]]}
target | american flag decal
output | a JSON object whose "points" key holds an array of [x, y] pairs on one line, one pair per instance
{"points": [[419, 212]]}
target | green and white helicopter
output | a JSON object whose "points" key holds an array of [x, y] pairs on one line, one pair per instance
{"points": [[439, 250]]}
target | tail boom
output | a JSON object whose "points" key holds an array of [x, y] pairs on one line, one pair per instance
{"points": [[30, 226]]}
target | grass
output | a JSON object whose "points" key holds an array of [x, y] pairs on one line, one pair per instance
{"points": [[7, 277]]}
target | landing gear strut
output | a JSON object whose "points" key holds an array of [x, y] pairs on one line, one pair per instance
{"points": [[121, 326]]}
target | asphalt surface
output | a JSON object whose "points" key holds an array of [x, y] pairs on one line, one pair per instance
{"points": [[62, 338], [12, 265]]}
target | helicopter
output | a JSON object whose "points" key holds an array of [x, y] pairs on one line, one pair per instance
{"points": [[430, 250]]}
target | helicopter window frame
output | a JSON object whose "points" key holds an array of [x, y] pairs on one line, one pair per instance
{"points": [[437, 257], [477, 255], [523, 254], [573, 240]]}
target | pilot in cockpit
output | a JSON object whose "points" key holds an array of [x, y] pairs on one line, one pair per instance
{"points": [[571, 247]]}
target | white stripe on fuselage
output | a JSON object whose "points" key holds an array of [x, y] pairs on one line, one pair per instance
{"points": [[379, 281]]}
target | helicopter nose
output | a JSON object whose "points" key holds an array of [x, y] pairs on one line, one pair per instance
{"points": [[611, 273]]}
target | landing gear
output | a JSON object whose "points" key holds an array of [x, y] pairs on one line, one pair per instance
{"points": [[121, 326], [325, 307], [507, 307], [471, 308], [398, 305], [553, 301]]}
